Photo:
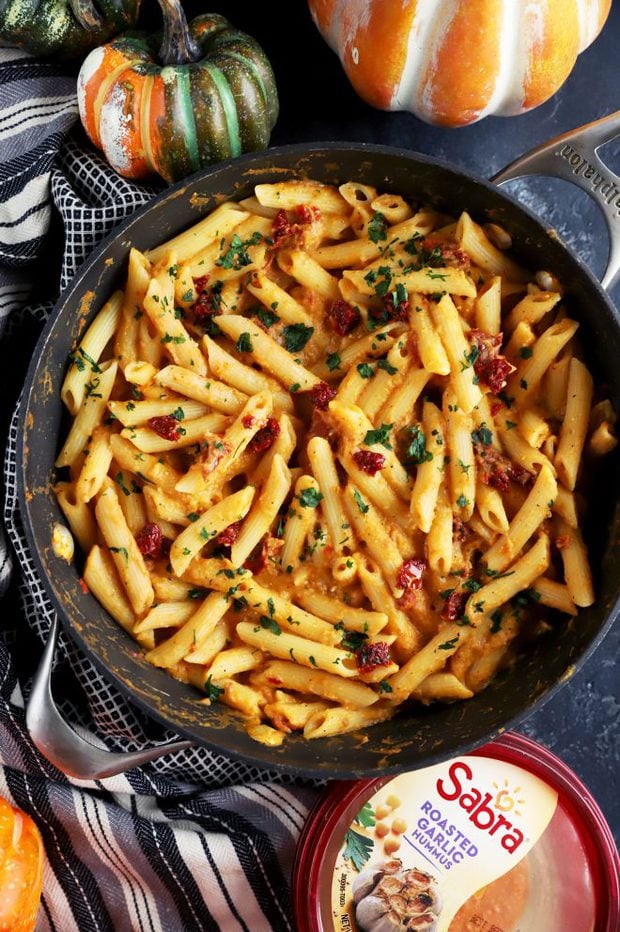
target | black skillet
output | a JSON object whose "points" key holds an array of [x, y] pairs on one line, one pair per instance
{"points": [[419, 736]]}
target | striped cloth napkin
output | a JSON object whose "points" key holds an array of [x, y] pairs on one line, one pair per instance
{"points": [[194, 841]]}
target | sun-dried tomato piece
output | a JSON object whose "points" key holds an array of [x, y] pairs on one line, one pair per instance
{"points": [[321, 395], [562, 541], [200, 283], [369, 656], [410, 574], [265, 437], [151, 542], [520, 474], [439, 254], [368, 461], [460, 531], [394, 311], [454, 606], [344, 317], [491, 368], [247, 421], [209, 300], [165, 426], [229, 535], [307, 214], [497, 470], [281, 228], [496, 407]]}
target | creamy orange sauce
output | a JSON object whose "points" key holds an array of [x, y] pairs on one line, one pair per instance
{"points": [[498, 906]]}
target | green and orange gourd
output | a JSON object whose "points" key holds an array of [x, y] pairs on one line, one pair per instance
{"points": [[63, 28], [209, 95]]}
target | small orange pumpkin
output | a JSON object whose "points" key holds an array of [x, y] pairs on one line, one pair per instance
{"points": [[454, 63], [21, 870]]}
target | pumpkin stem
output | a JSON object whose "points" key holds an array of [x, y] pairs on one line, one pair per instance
{"points": [[178, 46]]}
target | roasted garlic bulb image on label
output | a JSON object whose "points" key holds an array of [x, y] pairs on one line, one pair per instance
{"points": [[390, 899]]}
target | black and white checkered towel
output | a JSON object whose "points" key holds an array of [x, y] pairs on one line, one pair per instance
{"points": [[193, 841]]}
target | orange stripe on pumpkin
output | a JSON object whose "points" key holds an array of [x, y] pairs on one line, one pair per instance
{"points": [[553, 51], [157, 123], [112, 63], [21, 869], [374, 51], [460, 79]]}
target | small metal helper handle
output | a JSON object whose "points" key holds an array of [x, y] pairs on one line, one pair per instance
{"points": [[574, 157], [62, 746]]}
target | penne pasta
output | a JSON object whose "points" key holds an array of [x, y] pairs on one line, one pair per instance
{"points": [[325, 457]]}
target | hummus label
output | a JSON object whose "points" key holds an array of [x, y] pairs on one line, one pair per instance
{"points": [[428, 841]]}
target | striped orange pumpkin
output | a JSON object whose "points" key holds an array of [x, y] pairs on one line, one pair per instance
{"points": [[452, 62], [21, 870]]}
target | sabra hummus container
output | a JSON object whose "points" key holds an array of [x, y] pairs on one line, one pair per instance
{"points": [[502, 839]]}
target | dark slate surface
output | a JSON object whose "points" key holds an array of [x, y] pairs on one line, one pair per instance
{"points": [[581, 724]]}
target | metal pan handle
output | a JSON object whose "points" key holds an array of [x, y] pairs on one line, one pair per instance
{"points": [[574, 157], [62, 746]]}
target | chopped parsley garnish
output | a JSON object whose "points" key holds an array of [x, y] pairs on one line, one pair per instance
{"points": [[380, 436], [296, 336], [118, 478], [381, 287], [510, 425], [496, 621], [169, 339], [267, 318], [461, 501], [309, 498], [448, 645], [387, 367], [213, 692], [91, 389], [244, 343], [366, 371], [384, 687], [416, 449], [470, 358], [361, 504], [236, 256], [333, 361], [526, 352], [270, 624], [465, 467], [197, 593], [178, 414], [482, 435], [352, 640], [377, 227], [122, 550], [495, 574], [91, 362], [523, 384]]}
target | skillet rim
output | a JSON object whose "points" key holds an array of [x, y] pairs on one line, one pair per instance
{"points": [[605, 308]]}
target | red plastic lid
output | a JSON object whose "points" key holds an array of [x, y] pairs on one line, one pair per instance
{"points": [[464, 846]]}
